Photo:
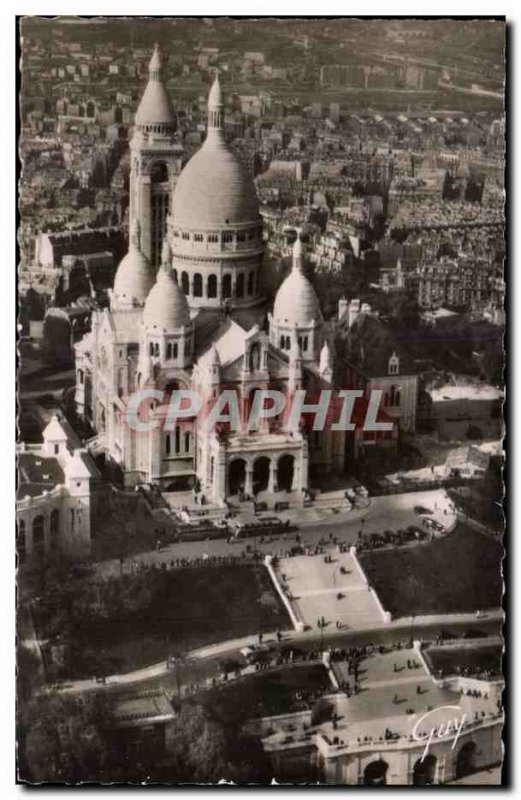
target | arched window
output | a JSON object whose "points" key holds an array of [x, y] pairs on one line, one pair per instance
{"points": [[151, 348], [169, 350], [397, 398], [167, 444], [39, 533], [175, 350], [288, 343], [185, 283], [251, 278], [392, 396], [174, 275], [305, 344], [55, 529], [198, 285], [227, 286], [300, 342], [156, 349], [177, 439], [240, 285], [282, 342], [212, 286], [187, 441], [159, 173], [20, 541], [255, 357]]}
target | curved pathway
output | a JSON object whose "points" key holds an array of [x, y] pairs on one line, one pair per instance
{"points": [[420, 626]]}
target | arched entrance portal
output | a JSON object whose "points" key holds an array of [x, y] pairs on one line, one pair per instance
{"points": [[286, 472], [424, 773], [375, 773], [261, 474], [465, 760], [236, 476]]}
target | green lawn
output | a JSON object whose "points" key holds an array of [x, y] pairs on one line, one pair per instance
{"points": [[459, 573], [282, 691], [474, 658], [185, 609]]}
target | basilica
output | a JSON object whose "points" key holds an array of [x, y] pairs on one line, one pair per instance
{"points": [[187, 312]]}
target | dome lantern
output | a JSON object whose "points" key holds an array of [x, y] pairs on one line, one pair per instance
{"points": [[215, 107]]}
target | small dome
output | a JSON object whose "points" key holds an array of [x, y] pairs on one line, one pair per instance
{"points": [[296, 302], [134, 277], [166, 307]]}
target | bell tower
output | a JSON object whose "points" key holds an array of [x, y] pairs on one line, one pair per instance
{"points": [[155, 162]]}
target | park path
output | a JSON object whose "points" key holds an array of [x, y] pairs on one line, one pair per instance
{"points": [[399, 626]]}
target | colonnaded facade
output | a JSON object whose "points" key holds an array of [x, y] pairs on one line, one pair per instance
{"points": [[176, 327]]}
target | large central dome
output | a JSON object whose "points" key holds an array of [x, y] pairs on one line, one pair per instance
{"points": [[214, 189], [214, 227]]}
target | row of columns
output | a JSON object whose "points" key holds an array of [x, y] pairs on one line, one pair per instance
{"points": [[273, 485], [219, 285]]}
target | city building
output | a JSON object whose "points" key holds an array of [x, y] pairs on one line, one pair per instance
{"points": [[373, 358], [57, 501]]}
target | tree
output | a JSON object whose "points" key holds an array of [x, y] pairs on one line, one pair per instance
{"points": [[200, 746], [61, 739]]}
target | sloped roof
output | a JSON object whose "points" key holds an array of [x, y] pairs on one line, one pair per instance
{"points": [[229, 344], [37, 474], [59, 430], [369, 343]]}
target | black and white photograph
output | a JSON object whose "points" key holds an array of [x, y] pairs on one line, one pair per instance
{"points": [[260, 386]]}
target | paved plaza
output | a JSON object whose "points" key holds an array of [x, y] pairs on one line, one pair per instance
{"points": [[389, 688], [334, 590], [315, 525]]}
